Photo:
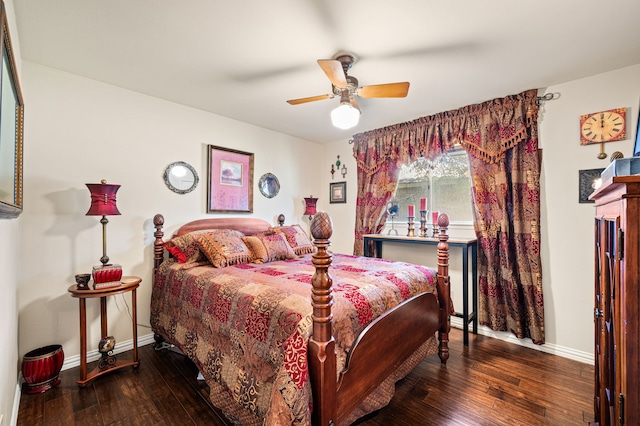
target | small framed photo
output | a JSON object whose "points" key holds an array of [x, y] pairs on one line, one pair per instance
{"points": [[230, 180], [338, 192], [589, 181]]}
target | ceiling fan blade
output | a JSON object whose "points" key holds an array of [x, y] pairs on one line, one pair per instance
{"points": [[333, 69], [309, 99], [390, 90]]}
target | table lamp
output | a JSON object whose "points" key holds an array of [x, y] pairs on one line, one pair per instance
{"points": [[310, 206], [103, 203]]}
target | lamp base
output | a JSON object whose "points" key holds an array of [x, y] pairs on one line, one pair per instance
{"points": [[106, 276]]}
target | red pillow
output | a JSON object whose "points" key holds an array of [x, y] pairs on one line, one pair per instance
{"points": [[175, 252]]}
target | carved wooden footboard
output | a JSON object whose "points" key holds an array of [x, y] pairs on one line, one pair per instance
{"points": [[384, 344]]}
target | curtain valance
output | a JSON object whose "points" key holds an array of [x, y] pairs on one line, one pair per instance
{"points": [[486, 130]]}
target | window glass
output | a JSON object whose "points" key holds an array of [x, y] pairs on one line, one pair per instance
{"points": [[447, 187]]}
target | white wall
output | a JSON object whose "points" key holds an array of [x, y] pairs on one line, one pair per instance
{"points": [[81, 131], [567, 226]]}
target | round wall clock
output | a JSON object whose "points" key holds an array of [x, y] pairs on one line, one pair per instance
{"points": [[604, 126]]}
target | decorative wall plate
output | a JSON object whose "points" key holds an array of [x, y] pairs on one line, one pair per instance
{"points": [[269, 185], [180, 177]]}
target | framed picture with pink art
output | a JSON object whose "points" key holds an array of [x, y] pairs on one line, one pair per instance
{"points": [[230, 180], [337, 192]]}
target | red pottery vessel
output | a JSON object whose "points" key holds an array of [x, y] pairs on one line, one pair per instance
{"points": [[41, 367]]}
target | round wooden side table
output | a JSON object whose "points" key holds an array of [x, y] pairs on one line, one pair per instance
{"points": [[129, 284]]}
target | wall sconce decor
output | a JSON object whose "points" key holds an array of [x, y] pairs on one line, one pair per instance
{"points": [[310, 206], [103, 203], [335, 167]]}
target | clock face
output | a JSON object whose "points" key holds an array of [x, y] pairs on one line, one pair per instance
{"points": [[605, 126]]}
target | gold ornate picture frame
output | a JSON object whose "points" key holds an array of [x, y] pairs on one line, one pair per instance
{"points": [[11, 128]]}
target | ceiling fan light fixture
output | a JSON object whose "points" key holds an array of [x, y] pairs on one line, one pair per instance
{"points": [[345, 116]]}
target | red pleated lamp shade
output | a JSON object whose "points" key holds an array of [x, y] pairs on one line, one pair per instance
{"points": [[310, 206], [103, 199]]}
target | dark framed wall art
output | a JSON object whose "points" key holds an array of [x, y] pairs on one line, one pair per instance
{"points": [[589, 180], [11, 128], [337, 192], [230, 180]]}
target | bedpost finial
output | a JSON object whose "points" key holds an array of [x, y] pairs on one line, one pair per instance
{"points": [[443, 220], [321, 226], [158, 220]]}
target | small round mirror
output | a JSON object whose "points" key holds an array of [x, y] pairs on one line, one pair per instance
{"points": [[180, 177], [269, 185]]}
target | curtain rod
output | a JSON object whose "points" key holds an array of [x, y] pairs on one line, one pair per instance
{"points": [[546, 97]]}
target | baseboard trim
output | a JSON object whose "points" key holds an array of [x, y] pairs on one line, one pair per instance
{"points": [[16, 406], [93, 355], [550, 348]]}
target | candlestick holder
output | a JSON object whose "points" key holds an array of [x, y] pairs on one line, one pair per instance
{"points": [[423, 223], [434, 219], [410, 232]]}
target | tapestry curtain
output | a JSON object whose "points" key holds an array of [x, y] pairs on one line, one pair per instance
{"points": [[500, 137]]}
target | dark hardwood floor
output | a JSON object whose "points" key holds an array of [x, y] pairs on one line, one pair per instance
{"points": [[489, 383]]}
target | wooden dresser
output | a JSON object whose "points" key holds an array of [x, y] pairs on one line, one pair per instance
{"points": [[616, 307]]}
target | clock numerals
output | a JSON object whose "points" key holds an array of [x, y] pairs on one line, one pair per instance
{"points": [[604, 126]]}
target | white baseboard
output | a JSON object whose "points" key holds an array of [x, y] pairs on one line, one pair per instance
{"points": [[16, 406], [93, 355], [550, 348]]}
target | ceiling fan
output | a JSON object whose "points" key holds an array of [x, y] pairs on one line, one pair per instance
{"points": [[347, 87]]}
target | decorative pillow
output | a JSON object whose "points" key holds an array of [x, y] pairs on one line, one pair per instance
{"points": [[224, 247], [297, 238], [257, 250], [275, 247], [175, 252], [188, 245]]}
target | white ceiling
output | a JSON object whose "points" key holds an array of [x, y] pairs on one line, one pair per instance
{"points": [[243, 59]]}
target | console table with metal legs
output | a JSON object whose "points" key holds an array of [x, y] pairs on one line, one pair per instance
{"points": [[466, 245]]}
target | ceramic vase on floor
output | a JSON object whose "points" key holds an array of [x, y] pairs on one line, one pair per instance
{"points": [[41, 367]]}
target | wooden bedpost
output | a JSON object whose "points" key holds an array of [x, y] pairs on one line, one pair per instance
{"points": [[444, 292], [322, 346], [158, 244]]}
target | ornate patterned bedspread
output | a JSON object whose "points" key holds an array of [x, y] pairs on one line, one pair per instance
{"points": [[246, 326]]}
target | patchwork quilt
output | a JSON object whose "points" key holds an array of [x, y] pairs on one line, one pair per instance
{"points": [[246, 326]]}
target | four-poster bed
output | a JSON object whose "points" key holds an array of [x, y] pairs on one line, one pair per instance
{"points": [[334, 359]]}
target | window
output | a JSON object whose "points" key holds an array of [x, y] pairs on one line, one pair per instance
{"points": [[447, 187]]}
